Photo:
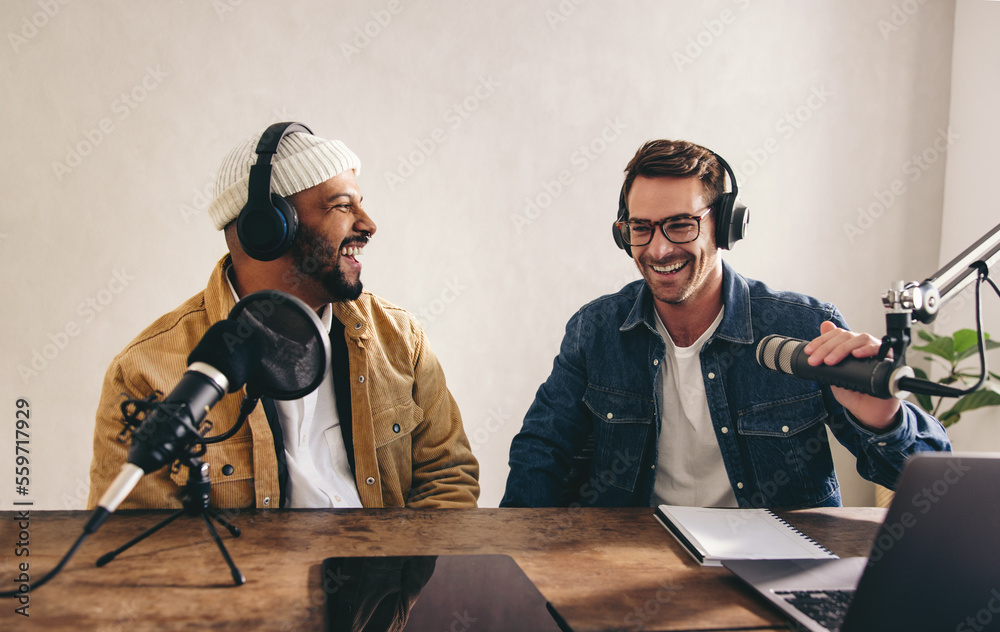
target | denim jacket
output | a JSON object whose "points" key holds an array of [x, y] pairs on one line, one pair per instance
{"points": [[590, 436]]}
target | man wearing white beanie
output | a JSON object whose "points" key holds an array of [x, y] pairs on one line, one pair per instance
{"points": [[381, 430]]}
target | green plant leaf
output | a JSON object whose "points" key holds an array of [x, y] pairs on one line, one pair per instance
{"points": [[941, 346], [949, 418], [924, 401], [974, 351], [979, 399], [929, 336], [965, 339], [951, 350]]}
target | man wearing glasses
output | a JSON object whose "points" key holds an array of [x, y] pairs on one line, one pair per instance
{"points": [[656, 396]]}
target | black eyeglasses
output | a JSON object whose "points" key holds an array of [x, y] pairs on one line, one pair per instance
{"points": [[681, 229]]}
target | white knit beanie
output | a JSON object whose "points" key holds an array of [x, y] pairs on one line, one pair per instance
{"points": [[301, 162]]}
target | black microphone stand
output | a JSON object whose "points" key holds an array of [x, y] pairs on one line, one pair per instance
{"points": [[196, 495], [906, 302], [196, 498]]}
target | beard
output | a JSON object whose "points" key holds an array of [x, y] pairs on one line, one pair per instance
{"points": [[314, 257]]}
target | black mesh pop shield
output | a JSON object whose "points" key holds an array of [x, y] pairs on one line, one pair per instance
{"points": [[295, 349]]}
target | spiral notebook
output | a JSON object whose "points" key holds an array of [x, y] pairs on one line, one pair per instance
{"points": [[712, 535]]}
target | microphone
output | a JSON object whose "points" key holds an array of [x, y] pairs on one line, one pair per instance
{"points": [[870, 376], [271, 341], [220, 362]]}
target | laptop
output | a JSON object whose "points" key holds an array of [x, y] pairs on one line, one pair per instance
{"points": [[934, 565]]}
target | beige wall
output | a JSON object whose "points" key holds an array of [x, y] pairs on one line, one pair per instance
{"points": [[970, 201], [493, 136]]}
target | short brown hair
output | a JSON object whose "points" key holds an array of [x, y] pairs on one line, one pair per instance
{"points": [[678, 159]]}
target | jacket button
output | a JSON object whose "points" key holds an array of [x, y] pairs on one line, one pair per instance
{"points": [[267, 501], [357, 325], [739, 485], [227, 469], [656, 362], [361, 379], [395, 428], [610, 416], [725, 430], [370, 480], [784, 428], [711, 376]]}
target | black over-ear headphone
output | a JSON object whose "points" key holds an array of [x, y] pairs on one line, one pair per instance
{"points": [[268, 223], [731, 215]]}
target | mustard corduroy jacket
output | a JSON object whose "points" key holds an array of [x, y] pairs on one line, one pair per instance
{"points": [[410, 448]]}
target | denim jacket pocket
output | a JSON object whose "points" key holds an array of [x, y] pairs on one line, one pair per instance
{"points": [[622, 423], [789, 451], [782, 418]]}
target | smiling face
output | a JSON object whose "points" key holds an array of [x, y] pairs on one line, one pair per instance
{"points": [[677, 274], [333, 230]]}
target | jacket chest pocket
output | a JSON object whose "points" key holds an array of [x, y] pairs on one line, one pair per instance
{"points": [[784, 418], [394, 427], [622, 424], [230, 472], [396, 422], [789, 447]]}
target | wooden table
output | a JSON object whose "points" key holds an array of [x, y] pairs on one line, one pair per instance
{"points": [[602, 569]]}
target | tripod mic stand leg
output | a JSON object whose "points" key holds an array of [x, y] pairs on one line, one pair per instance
{"points": [[233, 529], [238, 577], [107, 557]]}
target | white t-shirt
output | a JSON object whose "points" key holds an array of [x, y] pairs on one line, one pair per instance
{"points": [[689, 467]]}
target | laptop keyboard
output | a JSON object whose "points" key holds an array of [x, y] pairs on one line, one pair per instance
{"points": [[825, 607]]}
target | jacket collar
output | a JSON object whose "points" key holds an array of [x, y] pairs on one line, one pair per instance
{"points": [[736, 323], [219, 299], [350, 314]]}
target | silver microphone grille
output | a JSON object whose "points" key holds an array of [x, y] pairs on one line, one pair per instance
{"points": [[775, 352]]}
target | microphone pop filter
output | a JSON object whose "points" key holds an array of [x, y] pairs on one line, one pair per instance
{"points": [[224, 349], [294, 347]]}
